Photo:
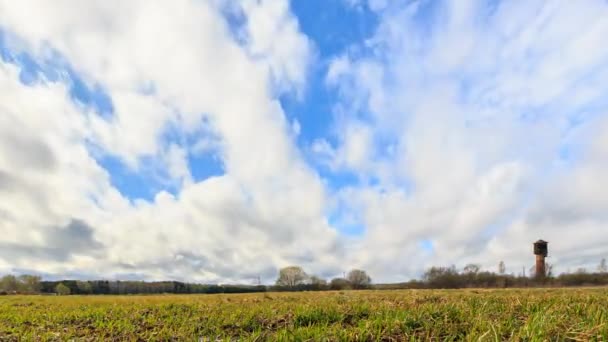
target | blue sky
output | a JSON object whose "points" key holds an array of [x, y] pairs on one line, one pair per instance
{"points": [[191, 137]]}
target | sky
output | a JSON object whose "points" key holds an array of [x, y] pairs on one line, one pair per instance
{"points": [[217, 141]]}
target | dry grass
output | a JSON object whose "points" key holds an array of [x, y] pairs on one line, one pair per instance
{"points": [[492, 315]]}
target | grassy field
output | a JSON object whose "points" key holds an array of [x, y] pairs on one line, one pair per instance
{"points": [[492, 315]]}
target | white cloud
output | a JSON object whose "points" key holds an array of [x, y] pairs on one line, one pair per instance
{"points": [[453, 124], [176, 159], [475, 101], [47, 176], [357, 146], [274, 35], [256, 217]]}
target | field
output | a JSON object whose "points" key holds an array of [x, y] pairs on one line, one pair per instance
{"points": [[489, 315]]}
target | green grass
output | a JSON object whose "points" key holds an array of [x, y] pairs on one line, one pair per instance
{"points": [[404, 315]]}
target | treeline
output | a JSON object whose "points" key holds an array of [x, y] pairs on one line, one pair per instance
{"points": [[104, 287], [472, 277], [294, 278], [65, 287], [20, 284]]}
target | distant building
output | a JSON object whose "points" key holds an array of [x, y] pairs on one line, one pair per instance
{"points": [[541, 251]]}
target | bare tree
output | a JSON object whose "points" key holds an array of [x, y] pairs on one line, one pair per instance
{"points": [[339, 284], [358, 279], [602, 267], [317, 283], [291, 276], [472, 269], [532, 272], [501, 267], [315, 280]]}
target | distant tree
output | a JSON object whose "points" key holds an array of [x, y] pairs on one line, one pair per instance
{"points": [[443, 277], [291, 276], [549, 270], [315, 280], [30, 283], [318, 283], [602, 267], [501, 267], [9, 283], [85, 287], [339, 284], [61, 289], [359, 279], [472, 269], [581, 270], [532, 272]]}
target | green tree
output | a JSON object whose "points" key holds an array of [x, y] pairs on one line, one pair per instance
{"points": [[359, 279], [30, 283], [291, 276], [84, 287], [9, 283], [62, 290]]}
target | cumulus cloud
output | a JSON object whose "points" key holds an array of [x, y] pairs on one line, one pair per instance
{"points": [[165, 67], [471, 105], [58, 244], [467, 129]]}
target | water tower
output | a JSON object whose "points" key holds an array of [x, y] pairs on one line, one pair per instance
{"points": [[541, 251]]}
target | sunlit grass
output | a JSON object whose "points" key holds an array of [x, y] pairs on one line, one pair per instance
{"points": [[450, 315]]}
